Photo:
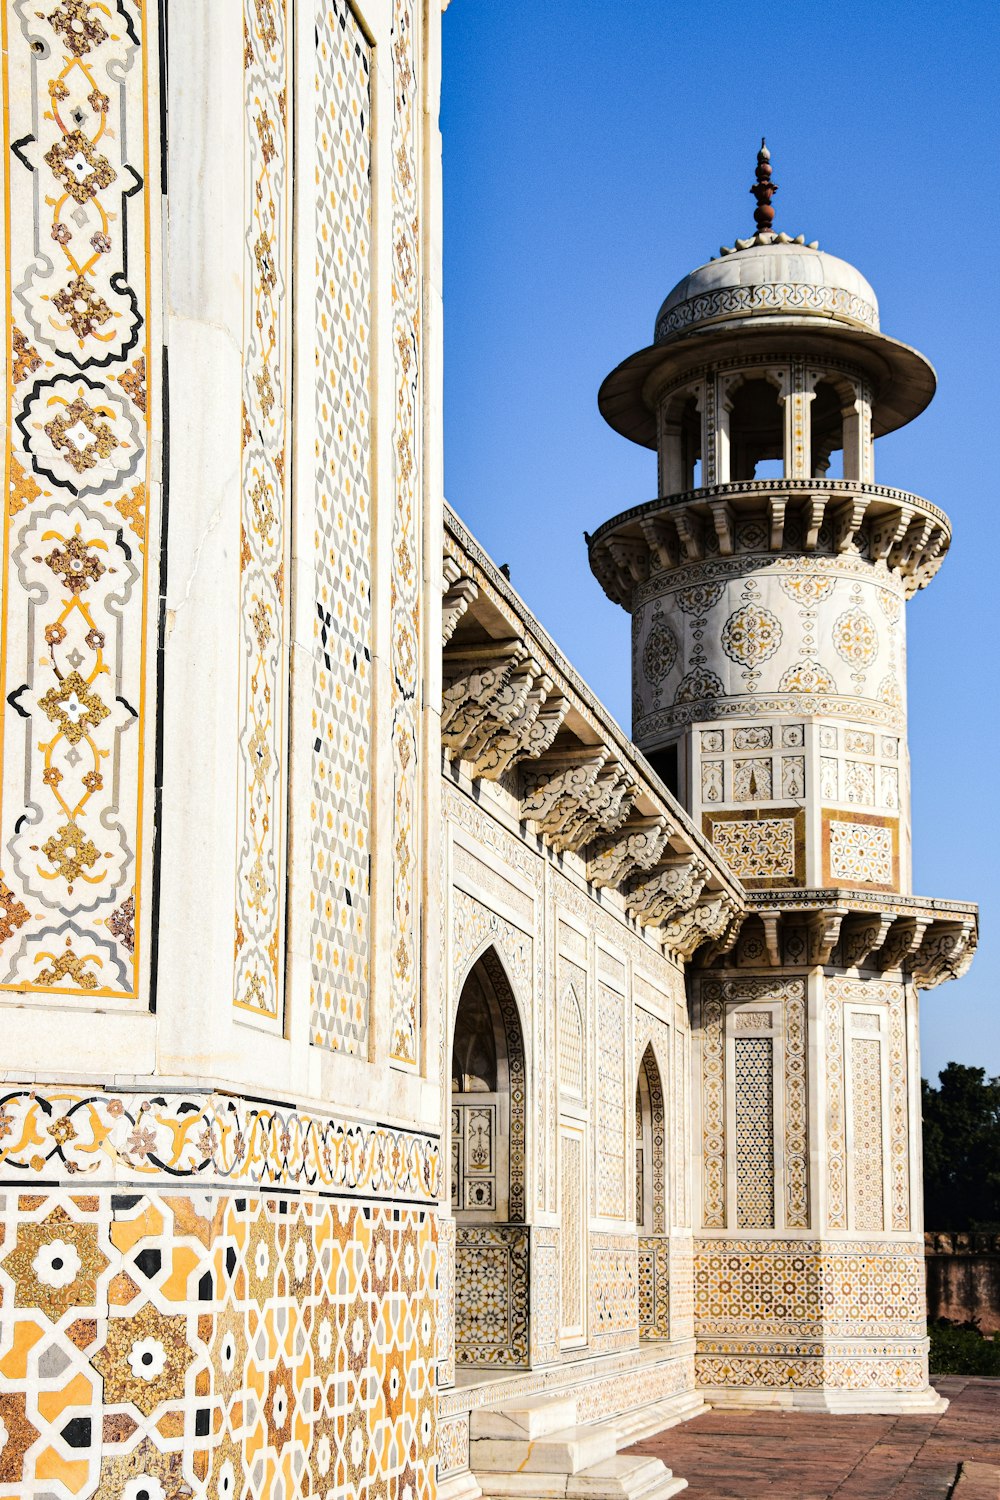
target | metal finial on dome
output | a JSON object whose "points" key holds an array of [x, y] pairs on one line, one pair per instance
{"points": [[764, 190]]}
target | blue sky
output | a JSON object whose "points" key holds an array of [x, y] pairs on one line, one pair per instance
{"points": [[597, 150]]}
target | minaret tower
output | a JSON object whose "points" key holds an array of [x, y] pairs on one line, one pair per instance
{"points": [[767, 584]]}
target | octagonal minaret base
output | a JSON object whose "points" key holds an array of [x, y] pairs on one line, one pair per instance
{"points": [[769, 670], [809, 1274]]}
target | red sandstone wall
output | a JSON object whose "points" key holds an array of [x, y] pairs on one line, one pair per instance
{"points": [[963, 1278]]}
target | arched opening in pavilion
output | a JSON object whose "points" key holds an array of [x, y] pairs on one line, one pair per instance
{"points": [[652, 1218], [756, 430], [826, 430], [488, 1097], [680, 444]]}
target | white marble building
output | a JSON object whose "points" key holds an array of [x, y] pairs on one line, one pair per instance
{"points": [[410, 1083]]}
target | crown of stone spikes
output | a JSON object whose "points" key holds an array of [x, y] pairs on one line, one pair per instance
{"points": [[763, 190]]}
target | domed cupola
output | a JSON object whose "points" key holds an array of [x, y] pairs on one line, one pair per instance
{"points": [[776, 292]]}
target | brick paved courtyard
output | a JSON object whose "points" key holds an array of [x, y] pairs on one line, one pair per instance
{"points": [[815, 1456]]}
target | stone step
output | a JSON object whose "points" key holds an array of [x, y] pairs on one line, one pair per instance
{"points": [[533, 1417], [565, 1451], [619, 1478], [626, 1477]]}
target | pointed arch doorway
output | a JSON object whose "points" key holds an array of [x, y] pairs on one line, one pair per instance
{"points": [[488, 1107], [651, 1199]]}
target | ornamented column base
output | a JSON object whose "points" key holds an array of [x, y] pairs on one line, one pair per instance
{"points": [[459, 1487], [889, 1379], [835, 1325], [874, 1403]]}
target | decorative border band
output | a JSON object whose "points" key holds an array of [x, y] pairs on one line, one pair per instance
{"points": [[214, 1137], [779, 296]]}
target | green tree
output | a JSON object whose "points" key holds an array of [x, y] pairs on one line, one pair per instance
{"points": [[962, 1150]]}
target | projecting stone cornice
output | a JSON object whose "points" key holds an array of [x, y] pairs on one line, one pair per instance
{"points": [[931, 940], [514, 710], [829, 517]]}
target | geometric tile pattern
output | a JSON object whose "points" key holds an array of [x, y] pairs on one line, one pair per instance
{"points": [[805, 1288], [341, 686], [261, 765], [754, 1132], [614, 1292], [406, 640], [491, 1295], [171, 1345], [803, 1314], [654, 1287], [80, 403], [866, 1157], [718, 997], [860, 849], [763, 846]]}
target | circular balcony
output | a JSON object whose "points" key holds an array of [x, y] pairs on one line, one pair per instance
{"points": [[762, 517]]}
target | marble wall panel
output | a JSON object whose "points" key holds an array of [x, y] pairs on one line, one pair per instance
{"points": [[82, 480], [341, 780], [614, 1292], [819, 634], [406, 634], [265, 517]]}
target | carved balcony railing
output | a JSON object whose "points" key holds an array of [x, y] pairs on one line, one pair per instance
{"points": [[888, 526]]}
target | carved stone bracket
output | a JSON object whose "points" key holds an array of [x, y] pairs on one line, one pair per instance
{"points": [[673, 886], [904, 937], [847, 521], [481, 693], [772, 942], [824, 930], [510, 702], [601, 809], [704, 922], [945, 953], [459, 592], [851, 930], [862, 936], [636, 846], [559, 779], [529, 732]]}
